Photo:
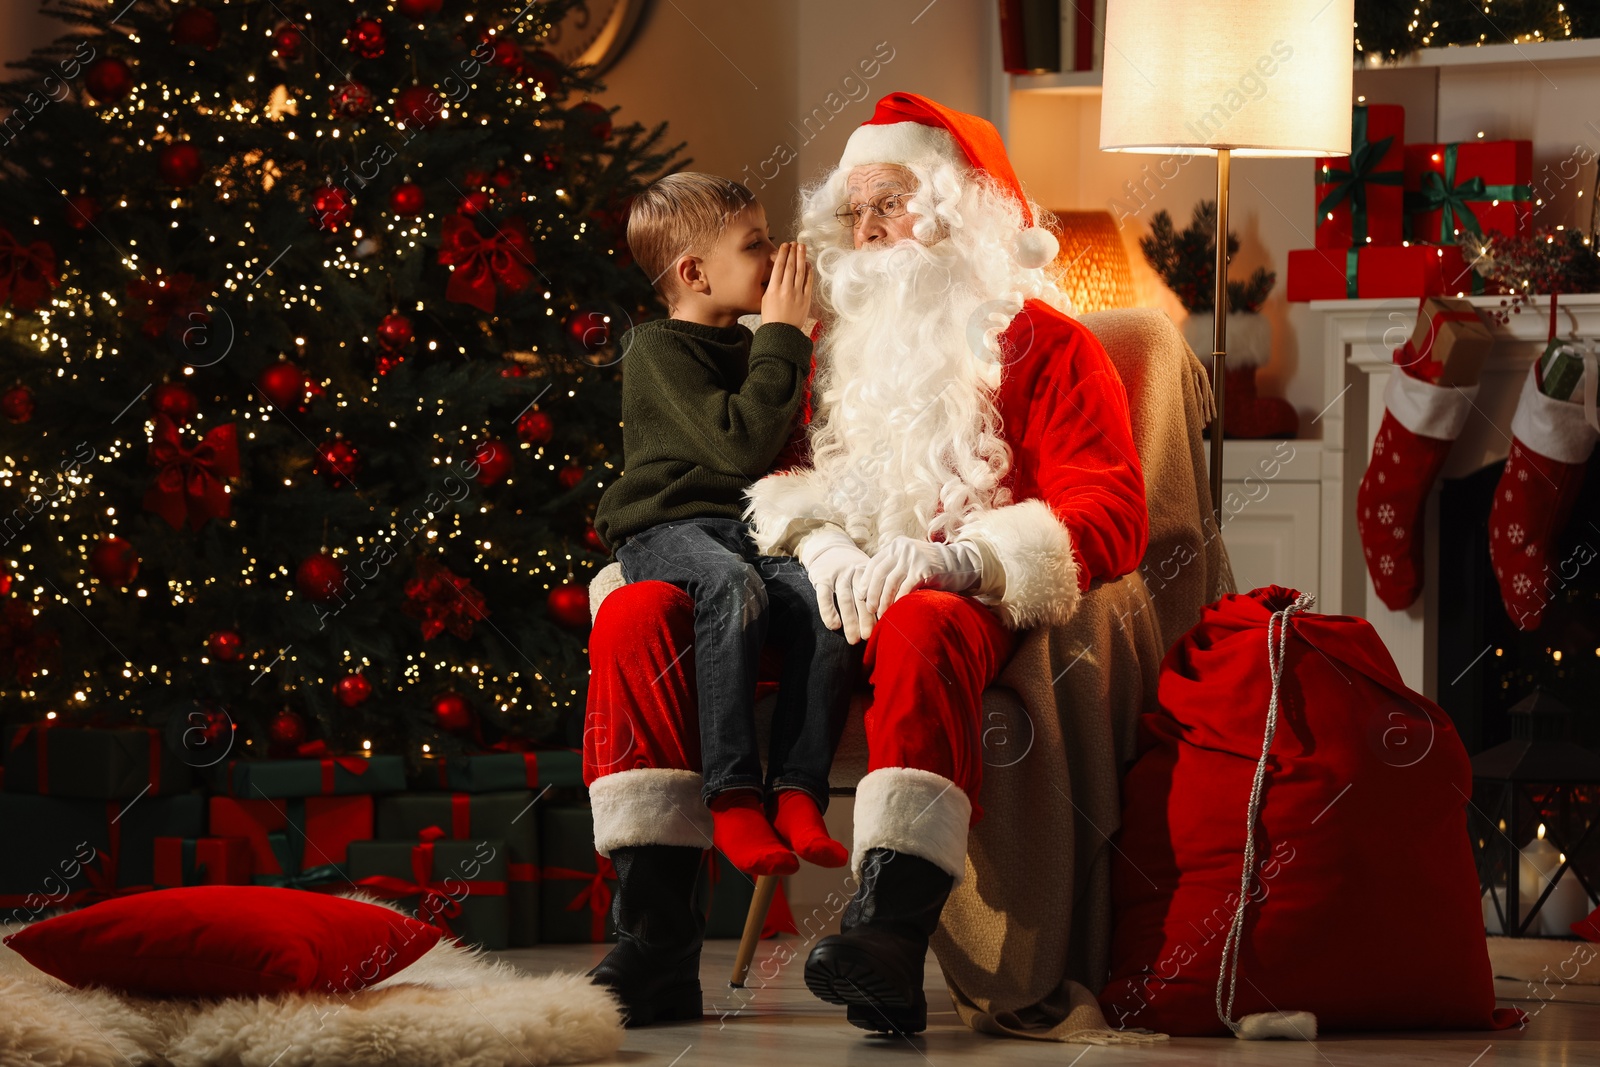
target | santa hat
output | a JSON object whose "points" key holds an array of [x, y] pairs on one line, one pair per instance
{"points": [[909, 129]]}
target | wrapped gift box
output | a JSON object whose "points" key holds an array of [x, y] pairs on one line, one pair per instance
{"points": [[72, 852], [1469, 187], [576, 882], [91, 763], [496, 772], [509, 817], [312, 777], [459, 886], [202, 861], [1377, 271], [1448, 344], [1361, 197], [295, 841]]}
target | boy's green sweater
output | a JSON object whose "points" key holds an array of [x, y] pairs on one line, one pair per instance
{"points": [[705, 411]]}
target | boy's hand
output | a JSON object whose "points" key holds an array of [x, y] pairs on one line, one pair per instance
{"points": [[788, 295]]}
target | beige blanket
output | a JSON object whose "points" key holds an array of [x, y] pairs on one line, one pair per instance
{"points": [[1025, 940]]}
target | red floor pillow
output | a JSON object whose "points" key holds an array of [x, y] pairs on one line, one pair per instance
{"points": [[1362, 912]]}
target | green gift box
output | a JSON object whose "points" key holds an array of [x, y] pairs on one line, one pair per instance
{"points": [[508, 817], [577, 883], [61, 760], [313, 777], [495, 772], [459, 886]]}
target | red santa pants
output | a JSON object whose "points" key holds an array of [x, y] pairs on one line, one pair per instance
{"points": [[927, 662]]}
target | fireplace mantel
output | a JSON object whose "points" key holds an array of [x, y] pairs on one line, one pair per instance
{"points": [[1358, 340]]}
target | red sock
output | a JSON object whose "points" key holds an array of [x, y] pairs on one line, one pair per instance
{"points": [[739, 828], [799, 822]]}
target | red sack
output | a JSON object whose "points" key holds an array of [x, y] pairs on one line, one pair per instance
{"points": [[1363, 908]]}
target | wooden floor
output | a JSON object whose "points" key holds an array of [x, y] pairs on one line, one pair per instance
{"points": [[784, 1024]]}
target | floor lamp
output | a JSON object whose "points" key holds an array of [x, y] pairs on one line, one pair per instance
{"points": [[1227, 78]]}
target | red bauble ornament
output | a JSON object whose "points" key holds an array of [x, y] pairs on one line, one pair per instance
{"points": [[108, 80], [366, 38], [196, 27], [418, 105], [82, 210], [284, 383], [589, 329], [543, 69], [351, 100], [407, 199], [452, 712], [473, 203], [550, 161], [330, 208], [225, 645], [387, 361], [418, 9], [320, 577], [494, 461], [16, 403], [535, 427], [503, 177], [593, 119], [507, 54], [591, 537], [179, 164], [286, 41], [6, 578], [352, 689], [568, 604], [337, 462], [286, 729], [512, 371], [570, 475], [395, 331], [114, 561], [173, 401]]}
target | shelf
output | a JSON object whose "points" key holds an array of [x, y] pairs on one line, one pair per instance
{"points": [[1087, 82]]}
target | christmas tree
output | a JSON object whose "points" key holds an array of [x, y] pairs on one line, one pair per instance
{"points": [[310, 383]]}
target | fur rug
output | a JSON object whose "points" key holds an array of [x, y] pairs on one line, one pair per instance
{"points": [[454, 1007]]}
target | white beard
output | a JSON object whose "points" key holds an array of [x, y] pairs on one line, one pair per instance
{"points": [[906, 438]]}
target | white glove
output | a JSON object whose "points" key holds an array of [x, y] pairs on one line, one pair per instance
{"points": [[908, 563], [835, 563]]}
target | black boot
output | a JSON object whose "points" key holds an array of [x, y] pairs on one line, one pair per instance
{"points": [[655, 967], [874, 964]]}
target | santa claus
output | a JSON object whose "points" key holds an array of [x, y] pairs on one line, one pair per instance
{"points": [[971, 471]]}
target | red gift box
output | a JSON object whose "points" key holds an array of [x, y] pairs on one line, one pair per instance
{"points": [[1361, 197], [202, 861], [291, 836], [1377, 271], [1470, 187]]}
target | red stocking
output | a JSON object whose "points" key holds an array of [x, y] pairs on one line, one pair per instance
{"points": [[1551, 441], [1420, 423]]}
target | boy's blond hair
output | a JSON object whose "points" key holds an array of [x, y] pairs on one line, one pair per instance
{"points": [[680, 214]]}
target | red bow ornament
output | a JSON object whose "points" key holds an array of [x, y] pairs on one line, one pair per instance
{"points": [[166, 296], [480, 263], [443, 600], [191, 482], [27, 272]]}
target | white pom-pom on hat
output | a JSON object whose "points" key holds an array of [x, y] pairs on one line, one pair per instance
{"points": [[1035, 247]]}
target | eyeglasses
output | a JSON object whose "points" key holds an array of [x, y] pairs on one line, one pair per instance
{"points": [[887, 206]]}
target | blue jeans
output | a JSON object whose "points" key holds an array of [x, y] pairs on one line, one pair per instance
{"points": [[740, 599]]}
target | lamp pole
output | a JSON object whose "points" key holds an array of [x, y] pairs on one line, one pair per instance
{"points": [[1219, 336]]}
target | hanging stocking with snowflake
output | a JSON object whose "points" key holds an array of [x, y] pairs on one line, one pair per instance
{"points": [[1426, 402], [1552, 438]]}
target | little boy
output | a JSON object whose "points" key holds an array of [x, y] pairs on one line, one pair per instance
{"points": [[707, 407]]}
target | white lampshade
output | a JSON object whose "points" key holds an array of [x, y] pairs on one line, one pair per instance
{"points": [[1257, 77]]}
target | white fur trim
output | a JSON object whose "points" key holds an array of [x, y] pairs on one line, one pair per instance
{"points": [[912, 811], [649, 806], [1035, 552], [1035, 247], [900, 142], [1552, 428], [784, 507], [1428, 410], [1249, 338], [1299, 1025], [602, 585]]}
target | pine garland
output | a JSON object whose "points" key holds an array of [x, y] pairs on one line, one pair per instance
{"points": [[1186, 260]]}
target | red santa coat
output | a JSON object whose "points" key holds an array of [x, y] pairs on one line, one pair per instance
{"points": [[1078, 510]]}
